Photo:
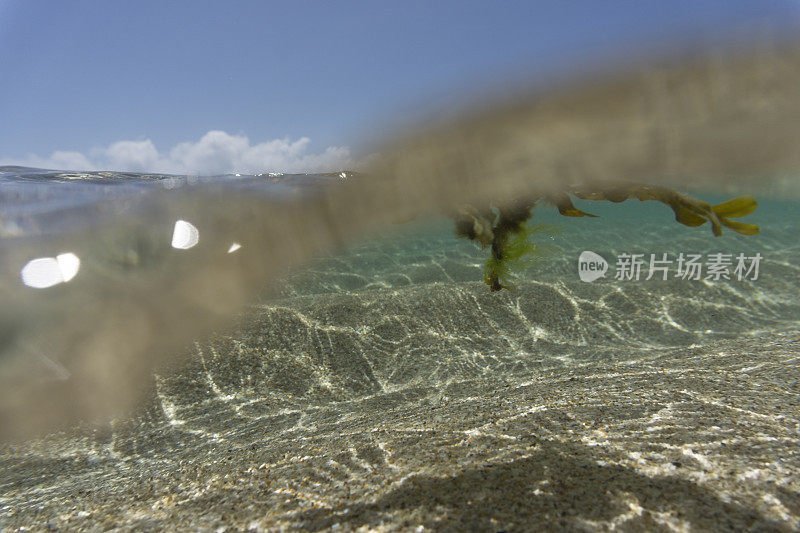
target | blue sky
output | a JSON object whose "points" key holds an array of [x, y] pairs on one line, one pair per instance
{"points": [[210, 87]]}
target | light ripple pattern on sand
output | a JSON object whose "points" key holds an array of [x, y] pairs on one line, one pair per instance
{"points": [[433, 405]]}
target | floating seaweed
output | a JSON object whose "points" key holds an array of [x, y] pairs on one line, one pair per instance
{"points": [[507, 231]]}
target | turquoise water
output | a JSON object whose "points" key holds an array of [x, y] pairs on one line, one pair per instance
{"points": [[385, 376]]}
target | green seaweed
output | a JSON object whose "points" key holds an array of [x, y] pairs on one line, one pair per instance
{"points": [[507, 230], [520, 254], [688, 211]]}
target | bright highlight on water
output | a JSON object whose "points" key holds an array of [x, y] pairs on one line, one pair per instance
{"points": [[185, 235], [45, 272]]}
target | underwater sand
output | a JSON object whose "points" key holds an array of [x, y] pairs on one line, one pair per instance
{"points": [[387, 389]]}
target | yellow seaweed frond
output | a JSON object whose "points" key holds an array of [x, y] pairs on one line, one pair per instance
{"points": [[565, 207], [687, 218], [740, 227], [738, 207], [688, 211]]}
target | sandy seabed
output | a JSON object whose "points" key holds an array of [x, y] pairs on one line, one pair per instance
{"points": [[421, 422], [411, 398]]}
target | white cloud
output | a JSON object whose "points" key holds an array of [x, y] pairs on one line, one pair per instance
{"points": [[134, 156], [62, 159], [216, 152]]}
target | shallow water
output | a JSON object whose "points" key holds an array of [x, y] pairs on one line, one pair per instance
{"points": [[291, 352], [385, 386]]}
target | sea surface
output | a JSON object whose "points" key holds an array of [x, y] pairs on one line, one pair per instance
{"points": [[380, 384]]}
